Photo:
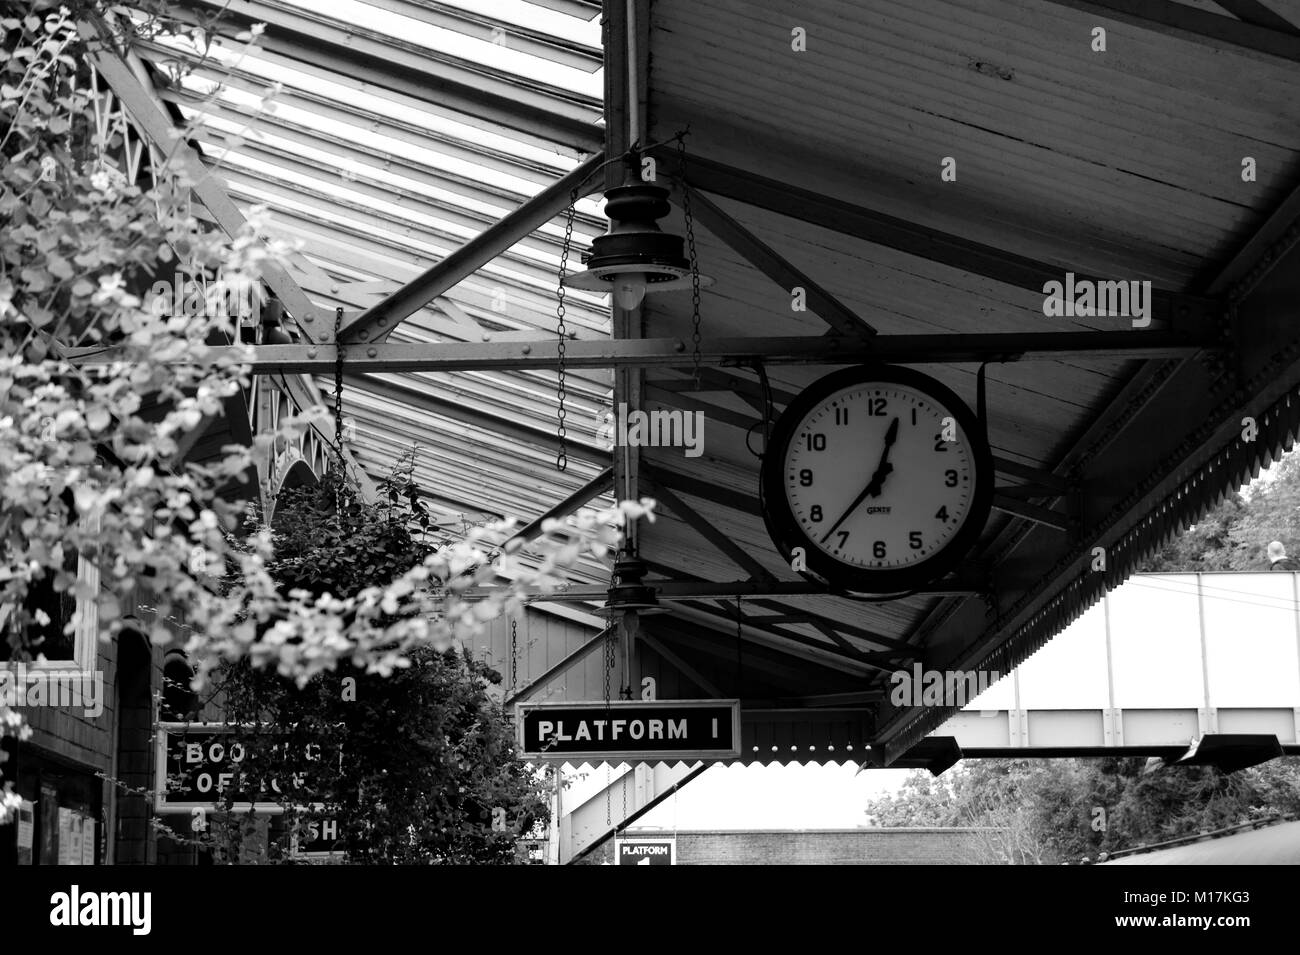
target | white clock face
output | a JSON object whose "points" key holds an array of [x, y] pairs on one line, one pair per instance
{"points": [[879, 476]]}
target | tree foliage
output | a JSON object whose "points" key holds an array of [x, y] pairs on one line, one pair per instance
{"points": [[1235, 534], [1042, 811], [415, 767], [100, 382]]}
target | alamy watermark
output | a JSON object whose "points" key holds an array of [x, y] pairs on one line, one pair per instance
{"points": [[127, 909], [236, 299], [653, 429], [920, 687], [1086, 298], [20, 686]]}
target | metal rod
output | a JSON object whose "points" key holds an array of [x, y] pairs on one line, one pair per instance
{"points": [[674, 352]]}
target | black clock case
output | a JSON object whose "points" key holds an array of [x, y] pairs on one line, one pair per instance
{"points": [[785, 531]]}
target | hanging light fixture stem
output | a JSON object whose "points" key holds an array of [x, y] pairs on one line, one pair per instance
{"points": [[633, 79]]}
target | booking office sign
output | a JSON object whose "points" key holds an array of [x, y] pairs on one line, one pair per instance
{"points": [[198, 765], [630, 731]]}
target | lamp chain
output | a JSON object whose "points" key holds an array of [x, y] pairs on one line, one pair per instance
{"points": [[695, 263], [609, 666], [562, 455], [514, 655], [338, 410], [338, 385]]}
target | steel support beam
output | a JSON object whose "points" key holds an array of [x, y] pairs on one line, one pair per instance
{"points": [[831, 655], [598, 485], [1220, 33], [760, 255], [562, 666], [378, 321], [156, 126], [775, 660], [681, 666], [710, 533], [674, 353], [1009, 504], [891, 232], [964, 584]]}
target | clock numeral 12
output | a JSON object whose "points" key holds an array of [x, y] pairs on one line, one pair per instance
{"points": [[876, 406]]}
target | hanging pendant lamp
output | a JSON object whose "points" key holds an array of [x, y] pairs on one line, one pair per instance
{"points": [[628, 593], [635, 256]]}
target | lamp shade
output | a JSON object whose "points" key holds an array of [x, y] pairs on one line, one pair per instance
{"points": [[635, 256]]}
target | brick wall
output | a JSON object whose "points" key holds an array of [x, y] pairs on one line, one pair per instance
{"points": [[823, 847]]}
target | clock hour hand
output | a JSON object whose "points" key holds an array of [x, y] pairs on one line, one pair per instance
{"points": [[884, 467], [875, 484]]}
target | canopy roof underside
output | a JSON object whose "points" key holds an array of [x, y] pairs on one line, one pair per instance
{"points": [[401, 129]]}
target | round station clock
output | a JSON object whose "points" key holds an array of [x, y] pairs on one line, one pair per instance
{"points": [[880, 476]]}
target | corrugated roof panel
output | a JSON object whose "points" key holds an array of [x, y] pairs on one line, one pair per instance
{"points": [[378, 184]]}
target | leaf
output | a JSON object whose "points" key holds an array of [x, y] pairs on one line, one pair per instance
{"points": [[97, 419]]}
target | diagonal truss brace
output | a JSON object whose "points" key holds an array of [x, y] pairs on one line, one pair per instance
{"points": [[153, 122]]}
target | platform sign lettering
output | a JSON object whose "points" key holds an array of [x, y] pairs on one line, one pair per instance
{"points": [[630, 730], [317, 839], [651, 851]]}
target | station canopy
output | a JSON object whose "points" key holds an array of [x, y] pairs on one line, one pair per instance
{"points": [[400, 134]]}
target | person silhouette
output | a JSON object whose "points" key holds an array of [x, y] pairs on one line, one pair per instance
{"points": [[1277, 558]]}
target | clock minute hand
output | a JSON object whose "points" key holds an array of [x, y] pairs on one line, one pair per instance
{"points": [[874, 485]]}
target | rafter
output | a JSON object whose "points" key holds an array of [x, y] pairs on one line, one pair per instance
{"points": [[1199, 26], [706, 530], [681, 666], [892, 232], [379, 320], [560, 667], [775, 266], [674, 353], [157, 127], [831, 654], [597, 486]]}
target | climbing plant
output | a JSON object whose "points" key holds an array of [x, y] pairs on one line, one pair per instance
{"points": [[101, 383]]}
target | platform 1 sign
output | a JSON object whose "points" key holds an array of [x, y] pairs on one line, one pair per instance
{"points": [[649, 851], [630, 730]]}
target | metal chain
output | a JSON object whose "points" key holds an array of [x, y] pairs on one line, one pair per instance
{"points": [[338, 384], [609, 666], [338, 408], [514, 655], [562, 455], [695, 264]]}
